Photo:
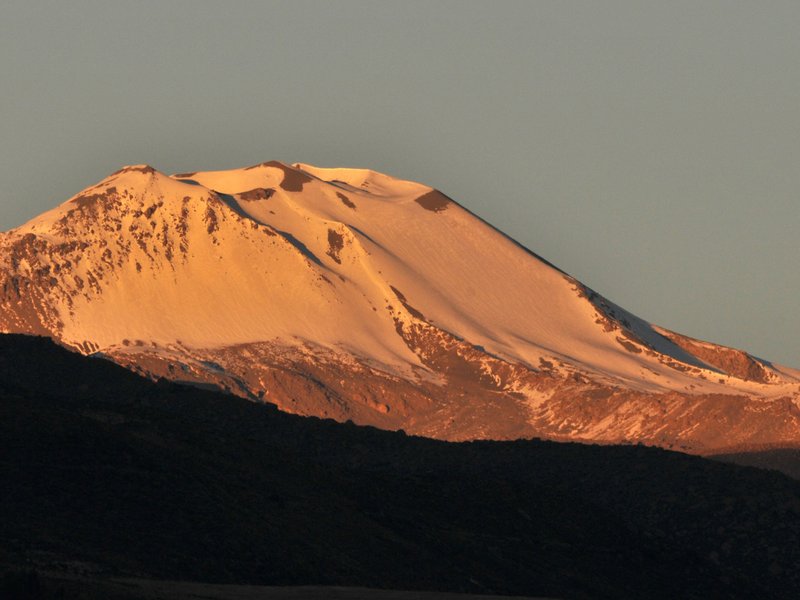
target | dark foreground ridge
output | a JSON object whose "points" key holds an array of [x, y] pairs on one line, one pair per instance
{"points": [[109, 474]]}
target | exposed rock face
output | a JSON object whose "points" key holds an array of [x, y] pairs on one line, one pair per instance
{"points": [[728, 360], [349, 294]]}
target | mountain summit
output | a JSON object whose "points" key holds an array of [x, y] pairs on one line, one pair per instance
{"points": [[350, 294]]}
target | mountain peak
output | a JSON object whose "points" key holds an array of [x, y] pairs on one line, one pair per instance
{"points": [[130, 189], [146, 169], [354, 294]]}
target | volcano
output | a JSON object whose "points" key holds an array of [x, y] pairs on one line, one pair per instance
{"points": [[353, 295]]}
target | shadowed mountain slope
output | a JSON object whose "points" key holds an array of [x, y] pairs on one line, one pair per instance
{"points": [[104, 471]]}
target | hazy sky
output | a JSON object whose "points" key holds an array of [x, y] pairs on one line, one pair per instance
{"points": [[651, 149]]}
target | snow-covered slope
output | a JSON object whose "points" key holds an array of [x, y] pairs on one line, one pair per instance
{"points": [[348, 293]]}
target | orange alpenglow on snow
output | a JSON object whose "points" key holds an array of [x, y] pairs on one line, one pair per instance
{"points": [[350, 294]]}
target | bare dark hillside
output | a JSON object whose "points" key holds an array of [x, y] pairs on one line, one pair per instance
{"points": [[104, 472]]}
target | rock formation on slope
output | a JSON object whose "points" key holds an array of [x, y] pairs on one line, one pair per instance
{"points": [[350, 294]]}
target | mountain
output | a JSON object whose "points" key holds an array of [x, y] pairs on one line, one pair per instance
{"points": [[350, 294], [106, 474]]}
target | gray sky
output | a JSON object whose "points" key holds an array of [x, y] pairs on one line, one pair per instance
{"points": [[651, 149]]}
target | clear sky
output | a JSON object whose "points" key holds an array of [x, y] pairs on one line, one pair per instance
{"points": [[651, 149]]}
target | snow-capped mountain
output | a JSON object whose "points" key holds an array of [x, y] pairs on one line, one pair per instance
{"points": [[350, 294]]}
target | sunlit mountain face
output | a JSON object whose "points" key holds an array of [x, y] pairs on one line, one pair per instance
{"points": [[350, 294]]}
